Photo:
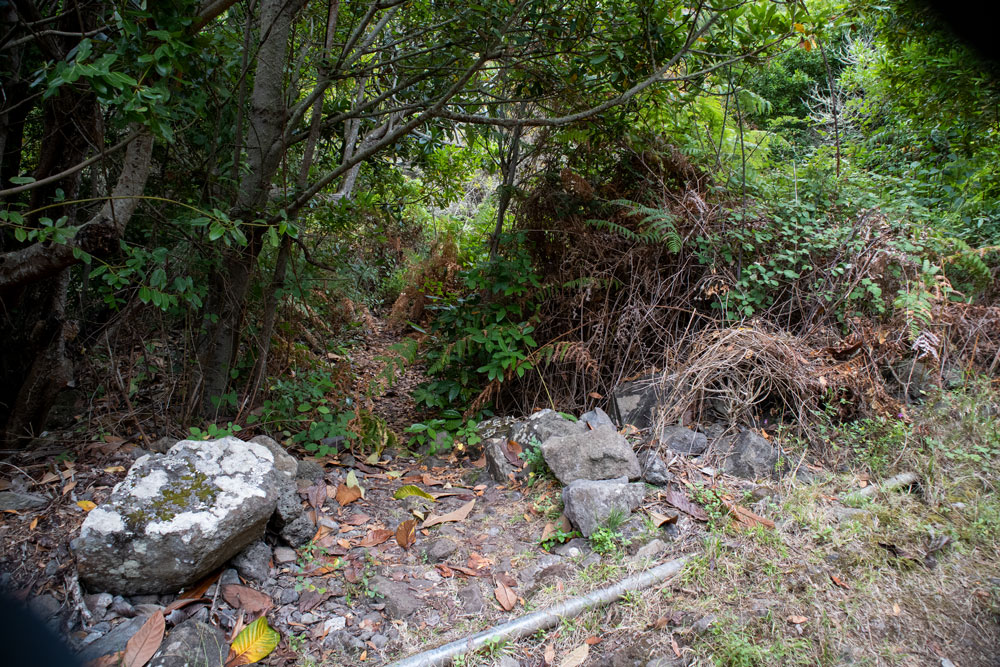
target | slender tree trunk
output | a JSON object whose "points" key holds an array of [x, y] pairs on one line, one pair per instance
{"points": [[231, 283]]}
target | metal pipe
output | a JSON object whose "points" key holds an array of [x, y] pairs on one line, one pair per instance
{"points": [[546, 618]]}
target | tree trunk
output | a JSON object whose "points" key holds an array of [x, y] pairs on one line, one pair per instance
{"points": [[231, 283]]}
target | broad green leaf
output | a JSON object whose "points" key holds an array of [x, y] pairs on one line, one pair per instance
{"points": [[411, 490], [254, 643]]}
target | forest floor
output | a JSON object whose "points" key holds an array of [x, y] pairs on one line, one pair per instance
{"points": [[905, 577]]}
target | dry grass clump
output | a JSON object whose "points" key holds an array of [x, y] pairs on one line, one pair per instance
{"points": [[435, 275]]}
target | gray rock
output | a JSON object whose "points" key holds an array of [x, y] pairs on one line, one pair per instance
{"points": [[176, 517], [298, 532], [254, 562], [229, 576], [112, 642], [16, 500], [400, 601], [702, 625], [192, 644], [471, 599], [599, 454], [379, 640], [440, 549], [596, 418], [507, 661], [589, 503], [683, 440], [573, 549], [649, 551], [497, 464], [308, 469], [654, 470], [495, 427], [541, 426], [98, 604], [636, 402], [284, 462], [162, 445], [284, 555], [44, 606], [750, 456]]}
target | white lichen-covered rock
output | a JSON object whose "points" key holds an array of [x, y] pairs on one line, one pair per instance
{"points": [[178, 516]]}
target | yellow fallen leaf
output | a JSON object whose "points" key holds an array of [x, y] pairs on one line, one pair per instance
{"points": [[86, 505], [254, 643]]}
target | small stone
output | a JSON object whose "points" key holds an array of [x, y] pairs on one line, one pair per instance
{"points": [[650, 551], [308, 618], [471, 599], [379, 640], [98, 604], [400, 601], [229, 576], [284, 555], [14, 500], [334, 624], [192, 644], [596, 417], [572, 549], [286, 596], [704, 623], [253, 563], [440, 549], [683, 440], [309, 469], [654, 470], [507, 661], [162, 445], [113, 641], [44, 606], [299, 531]]}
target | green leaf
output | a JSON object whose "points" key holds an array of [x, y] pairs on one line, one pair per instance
{"points": [[411, 490], [21, 180]]}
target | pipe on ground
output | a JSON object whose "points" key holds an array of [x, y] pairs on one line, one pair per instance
{"points": [[900, 480], [543, 619]]}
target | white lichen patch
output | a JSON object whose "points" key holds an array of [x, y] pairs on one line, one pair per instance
{"points": [[186, 523], [150, 485], [103, 521]]}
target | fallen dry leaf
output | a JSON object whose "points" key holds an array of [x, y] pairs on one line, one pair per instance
{"points": [[406, 533], [317, 494], [837, 580], [592, 640], [444, 571], [458, 515], [33, 524], [248, 599], [576, 657], [505, 596], [674, 646], [550, 654], [144, 643], [202, 586], [467, 571], [86, 505], [347, 494], [356, 519], [478, 562], [681, 502], [797, 620], [662, 519], [548, 530], [375, 537], [69, 487], [344, 544], [895, 609]]}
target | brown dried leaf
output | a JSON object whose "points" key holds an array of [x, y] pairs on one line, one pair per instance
{"points": [[316, 494], [347, 494], [444, 571], [550, 654], [375, 537], [505, 596], [548, 530], [406, 533], [144, 643], [467, 571], [681, 502], [356, 519], [478, 562], [202, 586], [837, 580], [796, 619], [662, 519], [458, 515], [511, 451], [675, 647], [506, 579], [246, 598], [576, 657], [591, 640]]}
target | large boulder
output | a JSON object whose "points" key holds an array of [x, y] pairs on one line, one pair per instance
{"points": [[750, 456], [178, 516], [589, 503], [636, 402], [599, 454], [543, 425]]}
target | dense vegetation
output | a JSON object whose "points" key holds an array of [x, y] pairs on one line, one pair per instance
{"points": [[203, 201]]}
